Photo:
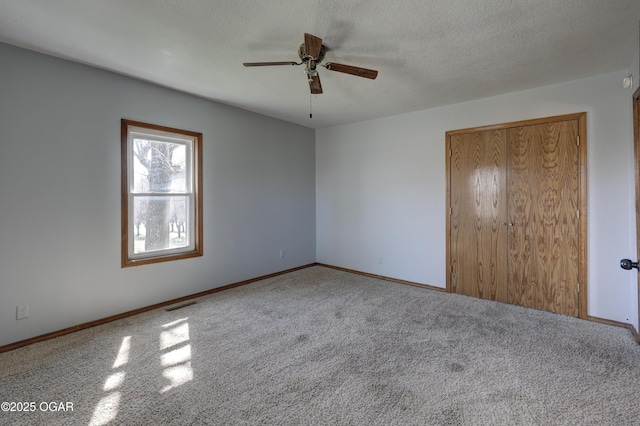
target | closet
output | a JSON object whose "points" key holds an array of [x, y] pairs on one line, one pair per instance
{"points": [[516, 222]]}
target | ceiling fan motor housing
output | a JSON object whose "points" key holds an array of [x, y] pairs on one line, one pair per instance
{"points": [[307, 58]]}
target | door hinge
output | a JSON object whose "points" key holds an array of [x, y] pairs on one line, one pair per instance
{"points": [[450, 211], [450, 153], [578, 141], [578, 287], [451, 270], [578, 214]]}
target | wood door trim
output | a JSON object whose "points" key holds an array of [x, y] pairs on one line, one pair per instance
{"points": [[532, 122], [582, 167], [636, 151], [582, 243], [447, 169]]}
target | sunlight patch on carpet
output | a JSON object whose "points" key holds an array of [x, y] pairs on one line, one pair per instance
{"points": [[123, 353], [114, 381], [178, 375], [107, 409], [176, 356], [178, 333], [176, 362]]}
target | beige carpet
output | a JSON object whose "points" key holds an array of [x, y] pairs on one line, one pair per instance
{"points": [[319, 346]]}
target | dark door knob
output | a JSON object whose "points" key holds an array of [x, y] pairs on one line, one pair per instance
{"points": [[628, 264]]}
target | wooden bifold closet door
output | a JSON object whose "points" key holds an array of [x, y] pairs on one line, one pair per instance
{"points": [[479, 214], [516, 223]]}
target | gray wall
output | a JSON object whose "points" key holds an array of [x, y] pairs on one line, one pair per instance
{"points": [[380, 187], [60, 194]]}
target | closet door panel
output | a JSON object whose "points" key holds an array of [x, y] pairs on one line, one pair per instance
{"points": [[478, 214], [543, 241]]}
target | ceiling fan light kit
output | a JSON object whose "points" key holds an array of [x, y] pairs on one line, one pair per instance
{"points": [[311, 54]]}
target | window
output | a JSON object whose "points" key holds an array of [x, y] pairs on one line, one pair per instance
{"points": [[161, 193]]}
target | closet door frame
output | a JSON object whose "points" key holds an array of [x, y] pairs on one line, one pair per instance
{"points": [[636, 153], [582, 196]]}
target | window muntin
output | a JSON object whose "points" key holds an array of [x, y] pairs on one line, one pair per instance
{"points": [[162, 204]]}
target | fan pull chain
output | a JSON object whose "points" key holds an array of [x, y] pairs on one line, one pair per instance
{"points": [[310, 107]]}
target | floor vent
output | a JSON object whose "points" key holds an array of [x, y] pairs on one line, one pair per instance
{"points": [[184, 305]]}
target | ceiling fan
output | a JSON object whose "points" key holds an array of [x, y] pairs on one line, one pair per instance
{"points": [[311, 53]]}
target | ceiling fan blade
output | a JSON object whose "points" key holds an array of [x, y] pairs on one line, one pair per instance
{"points": [[312, 45], [348, 69], [315, 85], [267, 64]]}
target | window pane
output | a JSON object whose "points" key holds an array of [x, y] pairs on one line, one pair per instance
{"points": [[159, 167], [160, 223]]}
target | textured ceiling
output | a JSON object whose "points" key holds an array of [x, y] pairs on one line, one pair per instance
{"points": [[428, 52]]}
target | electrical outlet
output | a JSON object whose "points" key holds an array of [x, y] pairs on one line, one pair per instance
{"points": [[281, 254], [22, 312]]}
